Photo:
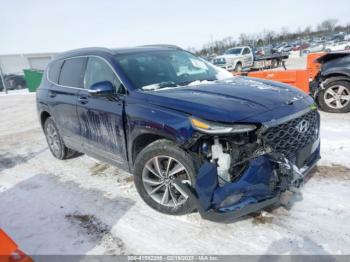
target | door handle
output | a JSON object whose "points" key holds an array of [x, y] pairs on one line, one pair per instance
{"points": [[52, 94], [83, 100]]}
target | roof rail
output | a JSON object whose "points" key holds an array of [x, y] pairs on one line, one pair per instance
{"points": [[162, 45]]}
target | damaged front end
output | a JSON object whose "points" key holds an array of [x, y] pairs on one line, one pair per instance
{"points": [[244, 172]]}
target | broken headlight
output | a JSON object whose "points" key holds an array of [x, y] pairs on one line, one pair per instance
{"points": [[217, 128]]}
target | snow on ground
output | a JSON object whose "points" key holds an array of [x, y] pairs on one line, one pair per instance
{"points": [[16, 92], [81, 206]]}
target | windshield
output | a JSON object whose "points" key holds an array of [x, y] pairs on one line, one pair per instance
{"points": [[159, 69], [233, 51]]}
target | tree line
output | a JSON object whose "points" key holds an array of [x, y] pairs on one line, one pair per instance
{"points": [[268, 37]]}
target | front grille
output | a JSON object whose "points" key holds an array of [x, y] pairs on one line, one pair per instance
{"points": [[219, 61], [286, 139]]}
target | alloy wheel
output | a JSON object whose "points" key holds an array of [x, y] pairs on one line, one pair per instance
{"points": [[158, 177], [337, 97], [53, 139]]}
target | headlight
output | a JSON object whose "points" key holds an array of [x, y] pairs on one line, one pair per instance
{"points": [[216, 128]]}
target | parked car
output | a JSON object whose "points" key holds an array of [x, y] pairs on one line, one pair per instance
{"points": [[331, 86], [194, 137], [13, 82], [315, 48], [337, 46]]}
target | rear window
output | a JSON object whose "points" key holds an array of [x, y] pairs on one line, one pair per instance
{"points": [[72, 72], [54, 71]]}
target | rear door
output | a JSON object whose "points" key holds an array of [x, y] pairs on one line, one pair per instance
{"points": [[62, 98], [101, 117]]}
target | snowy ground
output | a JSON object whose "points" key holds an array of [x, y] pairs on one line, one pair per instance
{"points": [[81, 206]]}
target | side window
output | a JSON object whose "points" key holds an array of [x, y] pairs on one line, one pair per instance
{"points": [[54, 71], [72, 72], [98, 70], [246, 51]]}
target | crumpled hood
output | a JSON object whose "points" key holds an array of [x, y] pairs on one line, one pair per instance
{"points": [[228, 100]]}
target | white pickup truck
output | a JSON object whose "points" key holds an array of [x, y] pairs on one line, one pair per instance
{"points": [[242, 57]]}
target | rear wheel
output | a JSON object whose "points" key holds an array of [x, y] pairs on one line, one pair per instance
{"points": [[274, 63], [335, 97], [156, 168], [55, 142]]}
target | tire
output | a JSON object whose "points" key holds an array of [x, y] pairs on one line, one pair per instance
{"points": [[146, 181], [274, 63], [55, 142], [332, 98], [238, 67]]}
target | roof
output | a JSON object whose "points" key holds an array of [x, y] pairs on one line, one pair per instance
{"points": [[114, 51]]}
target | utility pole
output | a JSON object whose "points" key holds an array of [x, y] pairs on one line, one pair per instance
{"points": [[3, 80]]}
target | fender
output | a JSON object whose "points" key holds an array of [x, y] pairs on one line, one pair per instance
{"points": [[146, 119], [332, 79], [335, 72]]}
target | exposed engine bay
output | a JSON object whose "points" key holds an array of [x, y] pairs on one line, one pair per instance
{"points": [[245, 169]]}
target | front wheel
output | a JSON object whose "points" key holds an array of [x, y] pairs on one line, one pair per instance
{"points": [[238, 67], [335, 98], [156, 167]]}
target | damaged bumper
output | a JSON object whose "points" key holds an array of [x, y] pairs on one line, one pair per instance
{"points": [[261, 185]]}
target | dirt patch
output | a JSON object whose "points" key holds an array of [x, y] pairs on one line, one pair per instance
{"points": [[334, 171], [99, 168], [96, 230], [129, 179], [262, 218]]}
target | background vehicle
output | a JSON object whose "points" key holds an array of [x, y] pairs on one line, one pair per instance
{"points": [[243, 58], [331, 86], [314, 48], [13, 82], [192, 135], [337, 46], [330, 79]]}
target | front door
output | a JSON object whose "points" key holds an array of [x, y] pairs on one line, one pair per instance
{"points": [[247, 57], [101, 116]]}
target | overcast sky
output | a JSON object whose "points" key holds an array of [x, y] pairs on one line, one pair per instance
{"points": [[53, 26]]}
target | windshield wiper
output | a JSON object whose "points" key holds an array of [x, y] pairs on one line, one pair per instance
{"points": [[185, 83], [159, 85]]}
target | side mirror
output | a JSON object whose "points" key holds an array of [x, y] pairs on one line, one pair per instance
{"points": [[101, 89]]}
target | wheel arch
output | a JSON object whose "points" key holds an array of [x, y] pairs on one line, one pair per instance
{"points": [[143, 140], [43, 116], [334, 77]]}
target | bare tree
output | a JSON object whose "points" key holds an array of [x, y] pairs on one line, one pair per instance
{"points": [[307, 30], [328, 25]]}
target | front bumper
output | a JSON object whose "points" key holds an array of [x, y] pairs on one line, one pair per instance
{"points": [[261, 185], [225, 66]]}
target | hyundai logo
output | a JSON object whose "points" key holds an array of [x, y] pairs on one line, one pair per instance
{"points": [[303, 126]]}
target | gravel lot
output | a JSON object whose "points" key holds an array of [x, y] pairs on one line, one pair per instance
{"points": [[81, 206]]}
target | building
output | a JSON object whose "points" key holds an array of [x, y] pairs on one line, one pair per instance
{"points": [[14, 64]]}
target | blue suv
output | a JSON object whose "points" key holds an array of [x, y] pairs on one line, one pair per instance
{"points": [[194, 137]]}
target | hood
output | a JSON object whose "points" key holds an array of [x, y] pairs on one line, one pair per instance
{"points": [[228, 100], [227, 56]]}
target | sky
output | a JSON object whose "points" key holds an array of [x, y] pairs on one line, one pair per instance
{"points": [[55, 26]]}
